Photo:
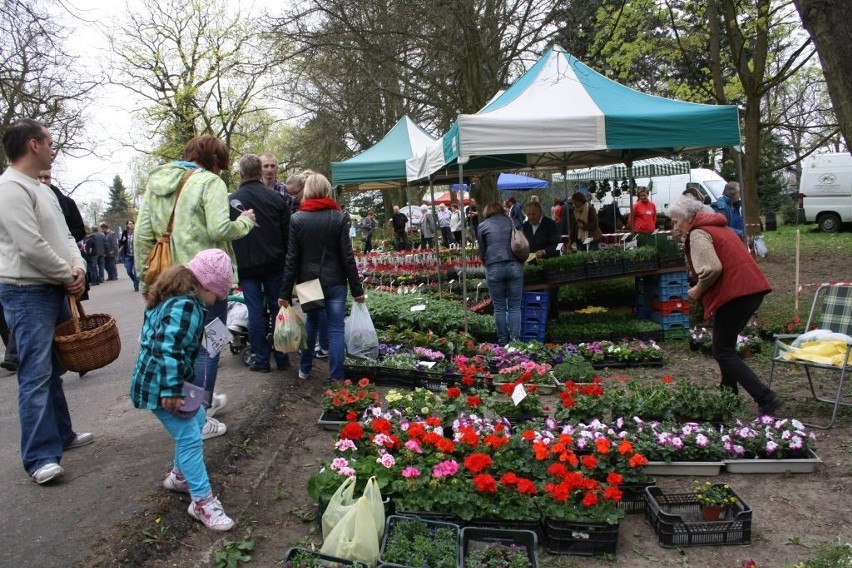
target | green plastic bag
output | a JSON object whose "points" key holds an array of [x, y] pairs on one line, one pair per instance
{"points": [[354, 537], [289, 335], [343, 501]]}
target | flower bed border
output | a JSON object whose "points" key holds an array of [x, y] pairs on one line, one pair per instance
{"points": [[673, 518], [684, 468]]}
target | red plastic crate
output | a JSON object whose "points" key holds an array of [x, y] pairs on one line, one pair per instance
{"points": [[668, 307]]}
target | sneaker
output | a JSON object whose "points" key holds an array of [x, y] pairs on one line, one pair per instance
{"points": [[304, 376], [218, 403], [47, 472], [258, 369], [174, 483], [210, 513], [9, 366], [80, 440], [212, 428], [320, 353]]}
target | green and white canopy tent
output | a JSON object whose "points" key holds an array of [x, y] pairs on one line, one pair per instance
{"points": [[561, 114], [652, 167], [382, 166]]}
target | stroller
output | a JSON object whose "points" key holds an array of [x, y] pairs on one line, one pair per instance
{"points": [[238, 326]]}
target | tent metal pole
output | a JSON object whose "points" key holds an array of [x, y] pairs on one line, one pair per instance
{"points": [[464, 248]]}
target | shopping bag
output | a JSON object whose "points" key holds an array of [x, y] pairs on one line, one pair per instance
{"points": [[289, 335], [343, 501], [360, 333], [354, 537]]}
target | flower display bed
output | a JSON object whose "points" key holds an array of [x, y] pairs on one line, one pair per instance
{"points": [[474, 538], [422, 541], [676, 519], [769, 465], [313, 559], [684, 468], [580, 539]]}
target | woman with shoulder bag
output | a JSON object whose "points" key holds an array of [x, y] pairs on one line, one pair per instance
{"points": [[320, 248], [192, 191], [504, 273]]}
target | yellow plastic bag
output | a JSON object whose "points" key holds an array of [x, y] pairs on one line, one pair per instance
{"points": [[823, 352], [289, 335], [354, 537], [343, 501]]}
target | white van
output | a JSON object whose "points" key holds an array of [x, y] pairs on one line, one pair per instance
{"points": [[826, 190], [665, 190]]}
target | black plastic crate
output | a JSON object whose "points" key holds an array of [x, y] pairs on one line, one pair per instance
{"points": [[579, 539], [395, 520], [633, 498], [676, 518], [471, 537], [328, 561], [397, 378], [534, 526]]}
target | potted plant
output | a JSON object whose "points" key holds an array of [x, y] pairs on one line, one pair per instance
{"points": [[582, 403], [502, 405], [574, 368], [768, 438], [419, 402], [715, 499], [528, 372], [673, 448], [342, 398], [495, 548], [417, 543]]}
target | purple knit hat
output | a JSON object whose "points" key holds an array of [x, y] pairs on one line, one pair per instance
{"points": [[213, 269]]}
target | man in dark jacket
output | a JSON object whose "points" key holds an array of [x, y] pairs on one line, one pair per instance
{"points": [[541, 232], [260, 257], [96, 249]]}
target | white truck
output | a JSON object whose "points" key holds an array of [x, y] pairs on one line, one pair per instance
{"points": [[665, 190], [825, 189]]}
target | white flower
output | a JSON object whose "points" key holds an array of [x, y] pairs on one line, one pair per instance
{"points": [[771, 447], [702, 441]]}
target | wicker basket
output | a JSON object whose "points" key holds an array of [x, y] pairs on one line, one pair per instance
{"points": [[85, 343]]}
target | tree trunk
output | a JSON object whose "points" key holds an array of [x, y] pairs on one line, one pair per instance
{"points": [[830, 24], [751, 162]]}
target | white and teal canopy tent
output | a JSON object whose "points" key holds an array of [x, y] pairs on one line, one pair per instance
{"points": [[382, 166], [561, 114], [649, 168]]}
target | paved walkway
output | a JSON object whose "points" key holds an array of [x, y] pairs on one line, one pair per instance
{"points": [[108, 481]]}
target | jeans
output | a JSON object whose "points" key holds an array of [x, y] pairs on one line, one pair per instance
{"points": [[262, 294], [33, 312], [100, 261], [205, 365], [729, 322], [335, 307], [401, 240], [131, 271], [506, 288], [446, 236], [112, 272], [368, 242], [189, 449]]}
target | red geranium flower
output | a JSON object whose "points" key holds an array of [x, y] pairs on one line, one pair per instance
{"points": [[625, 447], [484, 483], [603, 445], [589, 462], [613, 493], [590, 499], [381, 425], [474, 401], [638, 460], [614, 478], [527, 487], [453, 392], [352, 431], [477, 462], [509, 479], [351, 416]]}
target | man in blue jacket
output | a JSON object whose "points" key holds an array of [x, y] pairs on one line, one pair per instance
{"points": [[260, 257]]}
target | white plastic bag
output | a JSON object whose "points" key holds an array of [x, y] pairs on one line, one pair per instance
{"points": [[760, 248], [289, 335], [343, 501], [360, 334], [354, 537]]}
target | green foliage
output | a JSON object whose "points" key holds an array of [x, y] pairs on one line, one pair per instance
{"points": [[574, 368], [118, 210], [608, 293], [233, 553], [412, 542], [828, 555], [440, 317]]}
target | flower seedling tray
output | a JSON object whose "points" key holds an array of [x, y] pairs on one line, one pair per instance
{"points": [[683, 468], [579, 539], [676, 519], [326, 560], [431, 525], [769, 465], [473, 538], [543, 388], [329, 420]]}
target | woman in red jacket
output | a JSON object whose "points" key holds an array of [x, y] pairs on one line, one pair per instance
{"points": [[730, 286]]}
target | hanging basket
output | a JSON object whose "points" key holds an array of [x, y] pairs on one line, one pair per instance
{"points": [[85, 343]]}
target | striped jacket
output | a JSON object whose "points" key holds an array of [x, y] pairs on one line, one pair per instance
{"points": [[171, 338]]}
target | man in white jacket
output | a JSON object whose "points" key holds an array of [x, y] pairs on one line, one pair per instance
{"points": [[39, 265]]}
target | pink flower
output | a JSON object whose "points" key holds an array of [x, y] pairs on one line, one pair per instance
{"points": [[410, 472], [413, 446], [446, 468], [386, 460], [337, 464], [344, 445]]}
